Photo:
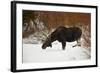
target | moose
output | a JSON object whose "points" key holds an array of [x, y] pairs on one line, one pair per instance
{"points": [[63, 35]]}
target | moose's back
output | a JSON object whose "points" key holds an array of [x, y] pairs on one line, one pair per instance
{"points": [[68, 34]]}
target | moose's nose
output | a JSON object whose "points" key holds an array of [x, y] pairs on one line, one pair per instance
{"points": [[43, 47]]}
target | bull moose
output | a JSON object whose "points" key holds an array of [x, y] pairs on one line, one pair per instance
{"points": [[63, 35]]}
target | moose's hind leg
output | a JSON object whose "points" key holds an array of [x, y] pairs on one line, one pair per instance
{"points": [[78, 43]]}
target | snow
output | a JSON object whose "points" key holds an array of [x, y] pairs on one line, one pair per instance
{"points": [[33, 53]]}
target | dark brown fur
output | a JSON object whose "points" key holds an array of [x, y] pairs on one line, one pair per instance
{"points": [[63, 35]]}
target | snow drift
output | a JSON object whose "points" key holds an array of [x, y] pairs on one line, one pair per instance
{"points": [[33, 53]]}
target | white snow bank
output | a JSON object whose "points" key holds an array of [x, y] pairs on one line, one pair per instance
{"points": [[34, 53]]}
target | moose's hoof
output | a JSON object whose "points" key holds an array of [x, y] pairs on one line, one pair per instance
{"points": [[74, 46], [63, 48]]}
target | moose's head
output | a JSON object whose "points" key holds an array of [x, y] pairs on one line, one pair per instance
{"points": [[47, 43]]}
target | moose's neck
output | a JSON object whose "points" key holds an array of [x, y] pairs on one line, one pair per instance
{"points": [[52, 38]]}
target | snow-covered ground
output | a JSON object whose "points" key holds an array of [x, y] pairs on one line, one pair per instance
{"points": [[33, 53]]}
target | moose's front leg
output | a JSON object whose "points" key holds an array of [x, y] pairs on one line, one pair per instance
{"points": [[63, 45]]}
